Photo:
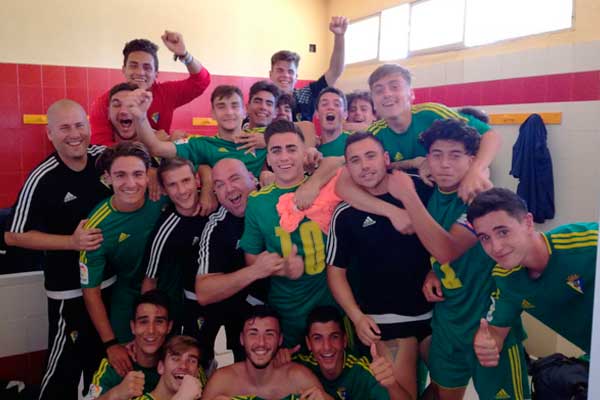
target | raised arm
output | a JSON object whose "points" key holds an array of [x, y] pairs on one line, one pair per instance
{"points": [[477, 179], [174, 42], [138, 103], [337, 26]]}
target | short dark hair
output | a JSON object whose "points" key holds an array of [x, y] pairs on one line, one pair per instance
{"points": [[123, 149], [362, 135], [324, 314], [286, 98], [360, 95], [285, 55], [222, 91], [156, 297], [141, 45], [169, 164], [452, 129], [497, 199], [475, 112], [282, 126], [264, 86], [121, 87], [331, 89], [389, 69], [261, 311], [179, 344]]}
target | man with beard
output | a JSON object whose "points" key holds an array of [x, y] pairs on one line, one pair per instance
{"points": [[376, 274], [225, 284], [257, 376]]}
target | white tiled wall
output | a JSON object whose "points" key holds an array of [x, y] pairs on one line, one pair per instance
{"points": [[24, 326]]}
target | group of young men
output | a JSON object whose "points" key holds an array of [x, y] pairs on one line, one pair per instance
{"points": [[364, 249]]}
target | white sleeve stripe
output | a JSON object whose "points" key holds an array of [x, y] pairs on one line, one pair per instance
{"points": [[204, 248], [331, 238], [24, 201], [158, 243], [95, 149]]}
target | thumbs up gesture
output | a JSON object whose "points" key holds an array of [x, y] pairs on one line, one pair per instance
{"points": [[294, 264], [381, 368], [485, 345]]}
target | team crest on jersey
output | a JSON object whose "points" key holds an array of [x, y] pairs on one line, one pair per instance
{"points": [[526, 305], [74, 335], [342, 393], [155, 117], [84, 276], [195, 240], [223, 150], [200, 323], [95, 391], [398, 156], [123, 236], [575, 283], [502, 394]]}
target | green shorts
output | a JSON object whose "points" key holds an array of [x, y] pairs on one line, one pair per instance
{"points": [[451, 367]]}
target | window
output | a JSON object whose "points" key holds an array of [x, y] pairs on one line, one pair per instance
{"points": [[393, 44], [436, 25], [493, 20], [361, 40]]}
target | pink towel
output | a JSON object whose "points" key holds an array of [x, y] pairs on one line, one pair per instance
{"points": [[321, 210]]}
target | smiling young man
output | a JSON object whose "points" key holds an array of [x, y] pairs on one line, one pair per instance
{"points": [[301, 284], [343, 375], [402, 122], [364, 251], [261, 105], [118, 113], [331, 110], [257, 377], [171, 253], [126, 220], [49, 215], [548, 274], [150, 324], [284, 72], [460, 282], [178, 369], [140, 68]]}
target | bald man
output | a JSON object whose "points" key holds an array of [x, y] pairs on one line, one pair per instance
{"points": [[49, 215], [225, 285]]}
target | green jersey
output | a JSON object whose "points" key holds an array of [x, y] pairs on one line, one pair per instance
{"points": [[336, 147], [405, 145], [563, 296], [210, 149], [122, 250], [107, 378], [293, 299], [355, 382], [467, 283]]}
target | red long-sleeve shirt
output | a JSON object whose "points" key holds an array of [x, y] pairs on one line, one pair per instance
{"points": [[167, 96]]}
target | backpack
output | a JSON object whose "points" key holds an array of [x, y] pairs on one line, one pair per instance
{"points": [[558, 377]]}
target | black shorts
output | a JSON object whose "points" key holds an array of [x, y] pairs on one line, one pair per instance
{"points": [[418, 329]]}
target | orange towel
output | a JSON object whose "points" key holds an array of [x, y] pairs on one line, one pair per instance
{"points": [[321, 210]]}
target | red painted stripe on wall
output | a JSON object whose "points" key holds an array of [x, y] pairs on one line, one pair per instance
{"points": [[30, 89]]}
